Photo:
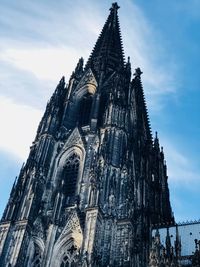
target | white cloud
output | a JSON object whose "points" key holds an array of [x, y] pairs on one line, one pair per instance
{"points": [[181, 168], [147, 49], [18, 127], [45, 63], [24, 87]]}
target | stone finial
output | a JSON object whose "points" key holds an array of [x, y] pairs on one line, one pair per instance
{"points": [[137, 73], [114, 7]]}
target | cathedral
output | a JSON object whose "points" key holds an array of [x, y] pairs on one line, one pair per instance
{"points": [[94, 189]]}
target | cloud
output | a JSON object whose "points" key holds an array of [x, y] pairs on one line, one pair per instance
{"points": [[182, 169], [41, 23], [23, 87], [40, 44], [19, 127], [48, 63], [146, 46]]}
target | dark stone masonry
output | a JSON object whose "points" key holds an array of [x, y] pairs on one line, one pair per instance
{"points": [[94, 189]]}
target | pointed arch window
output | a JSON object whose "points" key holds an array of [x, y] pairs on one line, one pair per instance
{"points": [[70, 177], [102, 108], [85, 109], [67, 263], [37, 258]]}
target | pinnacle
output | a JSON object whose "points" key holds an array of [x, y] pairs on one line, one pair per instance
{"points": [[62, 80], [114, 7], [137, 85], [108, 50], [156, 139], [137, 73]]}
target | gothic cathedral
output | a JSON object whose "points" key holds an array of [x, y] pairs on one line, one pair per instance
{"points": [[95, 181]]}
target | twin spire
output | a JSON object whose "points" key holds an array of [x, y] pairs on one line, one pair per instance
{"points": [[108, 51]]}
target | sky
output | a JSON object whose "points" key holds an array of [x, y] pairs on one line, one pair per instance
{"points": [[40, 41]]}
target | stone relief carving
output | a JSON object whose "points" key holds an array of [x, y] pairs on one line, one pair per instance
{"points": [[72, 224], [88, 78], [74, 139]]}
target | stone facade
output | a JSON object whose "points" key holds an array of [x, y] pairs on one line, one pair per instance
{"points": [[95, 180]]}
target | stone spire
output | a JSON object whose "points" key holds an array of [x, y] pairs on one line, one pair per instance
{"points": [[53, 113], [156, 142], [143, 124], [108, 52]]}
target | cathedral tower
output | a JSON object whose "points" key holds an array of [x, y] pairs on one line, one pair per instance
{"points": [[95, 180]]}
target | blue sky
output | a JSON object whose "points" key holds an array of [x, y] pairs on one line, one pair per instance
{"points": [[40, 41]]}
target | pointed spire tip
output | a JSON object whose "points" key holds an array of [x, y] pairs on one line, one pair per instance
{"points": [[110, 49], [114, 7], [137, 73]]}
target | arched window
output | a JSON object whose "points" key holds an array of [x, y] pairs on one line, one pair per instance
{"points": [[102, 108], [85, 109], [70, 175], [67, 263], [37, 258]]}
